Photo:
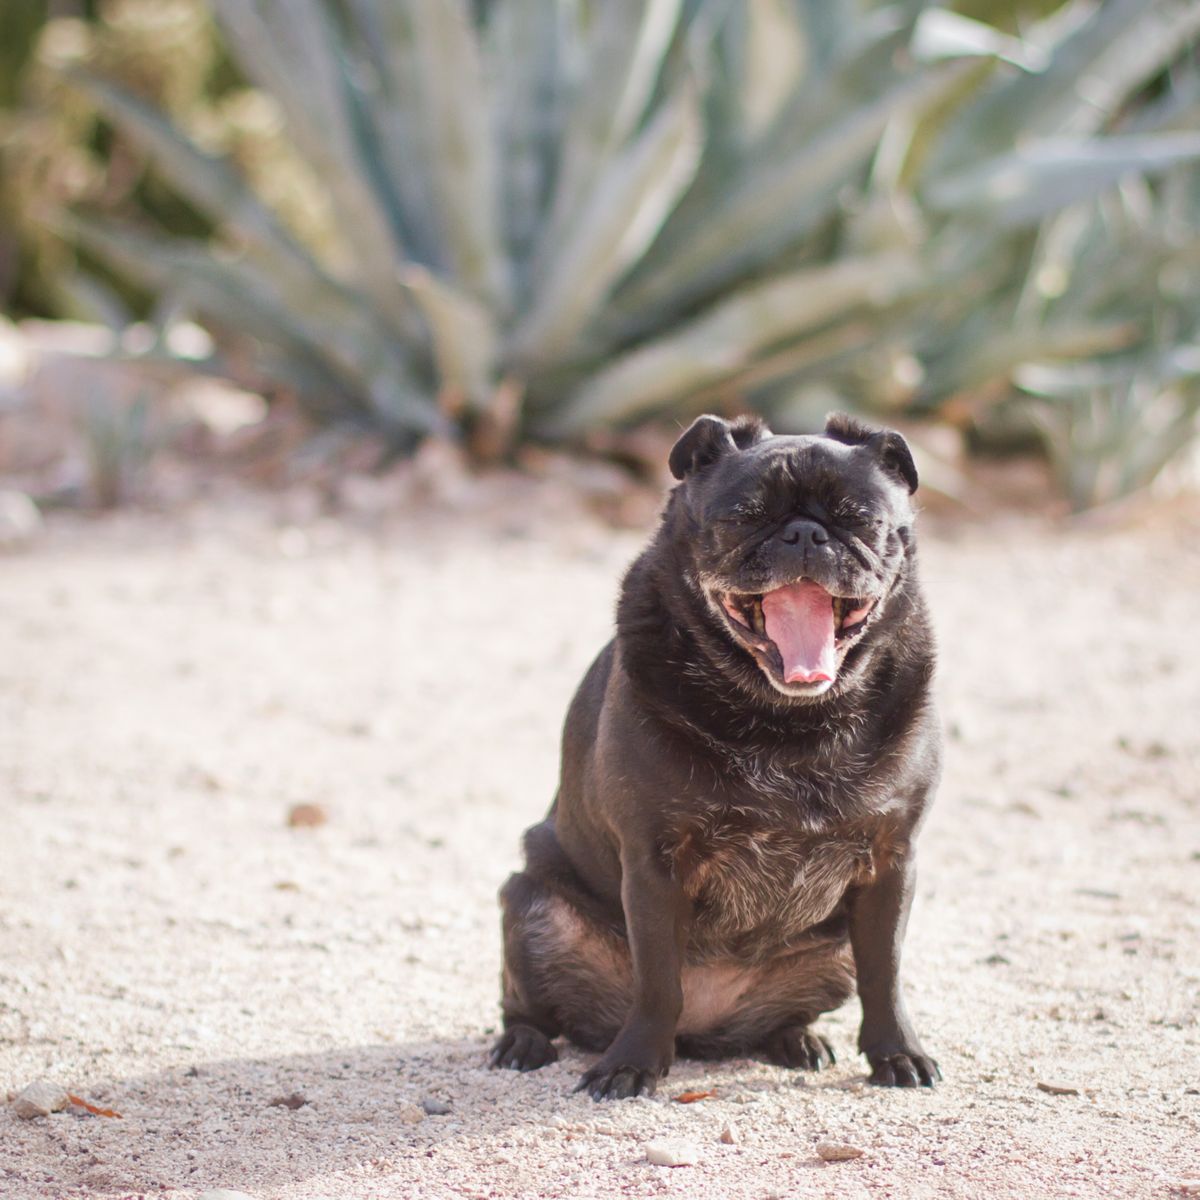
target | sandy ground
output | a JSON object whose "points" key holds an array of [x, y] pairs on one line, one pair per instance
{"points": [[170, 948]]}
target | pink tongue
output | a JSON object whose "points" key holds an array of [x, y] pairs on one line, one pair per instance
{"points": [[799, 620]]}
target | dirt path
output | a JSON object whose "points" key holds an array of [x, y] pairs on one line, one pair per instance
{"points": [[171, 949]]}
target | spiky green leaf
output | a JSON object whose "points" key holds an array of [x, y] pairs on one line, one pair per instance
{"points": [[621, 218], [724, 340], [528, 46], [458, 150], [1099, 55], [293, 49], [774, 204], [1042, 178], [463, 334], [624, 51], [237, 297]]}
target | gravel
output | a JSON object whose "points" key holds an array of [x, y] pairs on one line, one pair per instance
{"points": [[170, 686]]}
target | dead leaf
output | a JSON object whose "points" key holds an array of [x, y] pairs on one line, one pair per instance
{"points": [[94, 1109], [692, 1097], [1057, 1089]]}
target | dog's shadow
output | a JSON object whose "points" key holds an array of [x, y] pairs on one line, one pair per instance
{"points": [[254, 1123]]}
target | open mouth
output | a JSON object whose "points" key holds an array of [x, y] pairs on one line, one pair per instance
{"points": [[798, 633]]}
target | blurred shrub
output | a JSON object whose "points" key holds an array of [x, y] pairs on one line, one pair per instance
{"points": [[56, 151], [19, 29], [533, 218], [59, 151]]}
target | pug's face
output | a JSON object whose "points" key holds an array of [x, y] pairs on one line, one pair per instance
{"points": [[795, 543]]}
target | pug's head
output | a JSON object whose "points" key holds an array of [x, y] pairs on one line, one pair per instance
{"points": [[794, 544]]}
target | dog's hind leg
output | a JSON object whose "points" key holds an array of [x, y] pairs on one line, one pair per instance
{"points": [[565, 971], [809, 985], [529, 1023], [765, 1010], [798, 1047]]}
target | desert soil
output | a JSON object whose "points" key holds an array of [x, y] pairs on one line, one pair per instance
{"points": [[170, 948]]}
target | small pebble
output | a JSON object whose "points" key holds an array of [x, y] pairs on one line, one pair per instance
{"points": [[39, 1099], [306, 816], [730, 1135], [837, 1152], [410, 1114], [435, 1107], [20, 520], [672, 1154]]}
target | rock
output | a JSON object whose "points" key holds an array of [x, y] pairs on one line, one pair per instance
{"points": [[1186, 1187], [730, 1135], [39, 1099], [294, 1101], [837, 1152], [14, 364], [223, 1194], [435, 1107], [220, 407], [672, 1154], [20, 520], [306, 816], [410, 1114]]}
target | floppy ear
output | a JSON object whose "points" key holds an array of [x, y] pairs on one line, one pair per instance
{"points": [[891, 449], [709, 438]]}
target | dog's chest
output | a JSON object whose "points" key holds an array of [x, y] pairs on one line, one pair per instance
{"points": [[756, 885]]}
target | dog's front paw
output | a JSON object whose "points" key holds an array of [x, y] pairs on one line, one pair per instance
{"points": [[903, 1069], [523, 1048], [631, 1066], [620, 1082]]}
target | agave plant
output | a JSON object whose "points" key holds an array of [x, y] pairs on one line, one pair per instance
{"points": [[560, 214], [1111, 424]]}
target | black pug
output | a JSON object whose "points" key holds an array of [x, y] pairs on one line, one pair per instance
{"points": [[744, 769]]}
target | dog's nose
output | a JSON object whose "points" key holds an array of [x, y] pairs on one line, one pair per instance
{"points": [[800, 531]]}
